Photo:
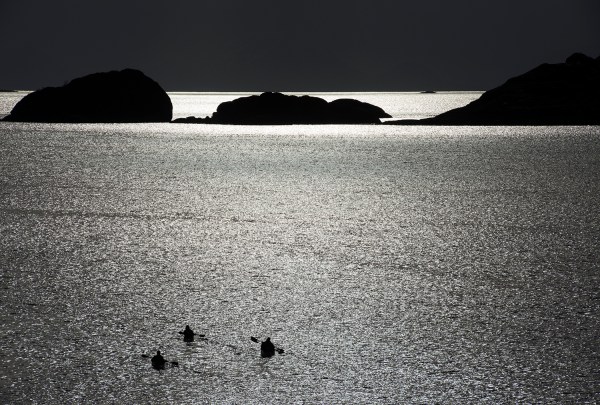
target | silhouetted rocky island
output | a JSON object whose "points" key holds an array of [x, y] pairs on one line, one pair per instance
{"points": [[117, 96], [551, 94], [281, 109]]}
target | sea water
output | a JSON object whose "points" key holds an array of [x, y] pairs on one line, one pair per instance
{"points": [[392, 264], [398, 105]]}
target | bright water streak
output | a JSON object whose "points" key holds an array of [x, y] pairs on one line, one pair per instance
{"points": [[398, 105], [393, 264]]}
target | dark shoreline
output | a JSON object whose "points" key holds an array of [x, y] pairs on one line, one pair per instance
{"points": [[563, 94]]}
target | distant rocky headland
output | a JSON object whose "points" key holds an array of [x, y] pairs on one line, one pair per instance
{"points": [[109, 97], [552, 94], [281, 109]]}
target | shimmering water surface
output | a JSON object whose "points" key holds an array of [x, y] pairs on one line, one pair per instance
{"points": [[393, 264], [398, 105]]}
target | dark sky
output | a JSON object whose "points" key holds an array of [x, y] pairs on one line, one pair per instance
{"points": [[301, 45]]}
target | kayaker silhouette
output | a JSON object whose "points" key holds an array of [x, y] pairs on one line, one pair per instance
{"points": [[188, 334], [158, 361], [267, 349]]}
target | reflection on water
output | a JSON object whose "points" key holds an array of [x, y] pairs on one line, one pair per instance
{"points": [[393, 265], [398, 105]]}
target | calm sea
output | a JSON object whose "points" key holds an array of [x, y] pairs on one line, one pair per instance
{"points": [[392, 264]]}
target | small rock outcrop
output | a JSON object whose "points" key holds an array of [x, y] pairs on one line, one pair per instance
{"points": [[551, 94], [117, 96], [281, 109]]}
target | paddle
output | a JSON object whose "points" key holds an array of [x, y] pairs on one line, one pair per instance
{"points": [[174, 364], [188, 334], [195, 334], [171, 363], [277, 349]]}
